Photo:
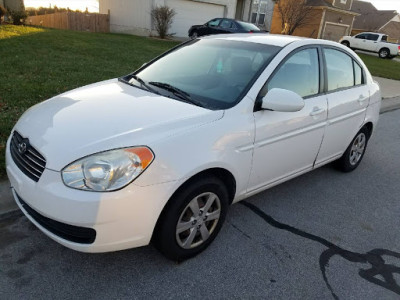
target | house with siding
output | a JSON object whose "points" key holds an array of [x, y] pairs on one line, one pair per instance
{"points": [[331, 19], [12, 4], [133, 16], [373, 20]]}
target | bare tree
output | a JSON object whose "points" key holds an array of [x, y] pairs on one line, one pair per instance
{"points": [[2, 12], [162, 17], [294, 14]]}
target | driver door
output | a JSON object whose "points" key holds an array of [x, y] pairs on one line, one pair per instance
{"points": [[212, 27], [287, 143]]}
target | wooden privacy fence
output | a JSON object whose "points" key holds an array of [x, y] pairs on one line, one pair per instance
{"points": [[73, 21]]}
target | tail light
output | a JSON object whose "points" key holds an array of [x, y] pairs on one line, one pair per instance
{"points": [[251, 31]]}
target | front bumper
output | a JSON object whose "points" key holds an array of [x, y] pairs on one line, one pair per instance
{"points": [[122, 219]]}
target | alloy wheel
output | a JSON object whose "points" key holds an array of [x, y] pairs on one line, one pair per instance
{"points": [[384, 53], [198, 220], [357, 149]]}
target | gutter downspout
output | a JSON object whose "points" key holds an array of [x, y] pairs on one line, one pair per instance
{"points": [[322, 23]]}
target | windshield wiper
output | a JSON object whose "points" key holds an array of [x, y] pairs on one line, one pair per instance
{"points": [[141, 81], [176, 91]]}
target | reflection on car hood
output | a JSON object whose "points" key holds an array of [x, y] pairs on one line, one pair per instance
{"points": [[103, 116]]}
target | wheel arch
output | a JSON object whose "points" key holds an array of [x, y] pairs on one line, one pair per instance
{"points": [[370, 128], [346, 42], [223, 174]]}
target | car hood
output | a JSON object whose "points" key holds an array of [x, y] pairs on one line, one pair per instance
{"points": [[104, 116]]}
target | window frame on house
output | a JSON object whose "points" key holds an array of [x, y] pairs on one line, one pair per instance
{"points": [[258, 13]]}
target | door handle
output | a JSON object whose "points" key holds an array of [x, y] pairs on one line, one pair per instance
{"points": [[316, 111]]}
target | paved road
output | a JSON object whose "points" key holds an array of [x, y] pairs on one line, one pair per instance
{"points": [[324, 235]]}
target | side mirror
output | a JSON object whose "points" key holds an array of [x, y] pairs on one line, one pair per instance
{"points": [[282, 100]]}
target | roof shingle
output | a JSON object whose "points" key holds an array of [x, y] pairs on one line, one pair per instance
{"points": [[370, 18]]}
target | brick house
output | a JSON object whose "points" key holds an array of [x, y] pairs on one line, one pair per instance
{"points": [[258, 12], [331, 19], [374, 20]]}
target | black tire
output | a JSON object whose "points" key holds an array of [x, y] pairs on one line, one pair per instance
{"points": [[384, 53], [194, 35], [166, 237], [347, 163], [346, 43]]}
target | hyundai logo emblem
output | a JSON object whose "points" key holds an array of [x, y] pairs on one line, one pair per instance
{"points": [[22, 147]]}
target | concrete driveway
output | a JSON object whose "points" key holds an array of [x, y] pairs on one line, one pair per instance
{"points": [[324, 235]]}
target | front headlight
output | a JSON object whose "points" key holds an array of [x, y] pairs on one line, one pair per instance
{"points": [[107, 171]]}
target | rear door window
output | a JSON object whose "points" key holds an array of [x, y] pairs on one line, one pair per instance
{"points": [[372, 37], [339, 69], [226, 24]]}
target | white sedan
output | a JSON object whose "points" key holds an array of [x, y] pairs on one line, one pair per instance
{"points": [[160, 154]]}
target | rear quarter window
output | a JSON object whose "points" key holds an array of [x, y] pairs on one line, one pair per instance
{"points": [[358, 74]]}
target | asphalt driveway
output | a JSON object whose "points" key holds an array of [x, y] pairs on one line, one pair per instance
{"points": [[324, 235]]}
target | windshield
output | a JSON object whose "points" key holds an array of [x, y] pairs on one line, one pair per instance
{"points": [[249, 26], [214, 74]]}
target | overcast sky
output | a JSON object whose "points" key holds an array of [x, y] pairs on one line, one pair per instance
{"points": [[93, 5], [386, 4]]}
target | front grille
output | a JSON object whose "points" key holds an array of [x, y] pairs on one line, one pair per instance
{"points": [[81, 235], [27, 158]]}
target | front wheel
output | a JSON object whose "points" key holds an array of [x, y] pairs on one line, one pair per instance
{"points": [[355, 152], [346, 43], [192, 219], [194, 35]]}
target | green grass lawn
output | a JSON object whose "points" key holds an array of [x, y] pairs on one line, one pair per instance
{"points": [[385, 68], [37, 64]]}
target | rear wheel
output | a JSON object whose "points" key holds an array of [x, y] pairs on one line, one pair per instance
{"points": [[384, 53], [355, 152], [192, 219]]}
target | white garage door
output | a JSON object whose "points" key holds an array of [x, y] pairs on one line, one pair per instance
{"points": [[190, 13], [334, 32]]}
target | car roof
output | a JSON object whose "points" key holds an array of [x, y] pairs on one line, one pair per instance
{"points": [[372, 33], [259, 38], [270, 39]]}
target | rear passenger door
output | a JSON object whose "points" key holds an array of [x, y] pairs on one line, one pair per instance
{"points": [[348, 98], [371, 43]]}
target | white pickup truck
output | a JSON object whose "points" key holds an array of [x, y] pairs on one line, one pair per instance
{"points": [[372, 42]]}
